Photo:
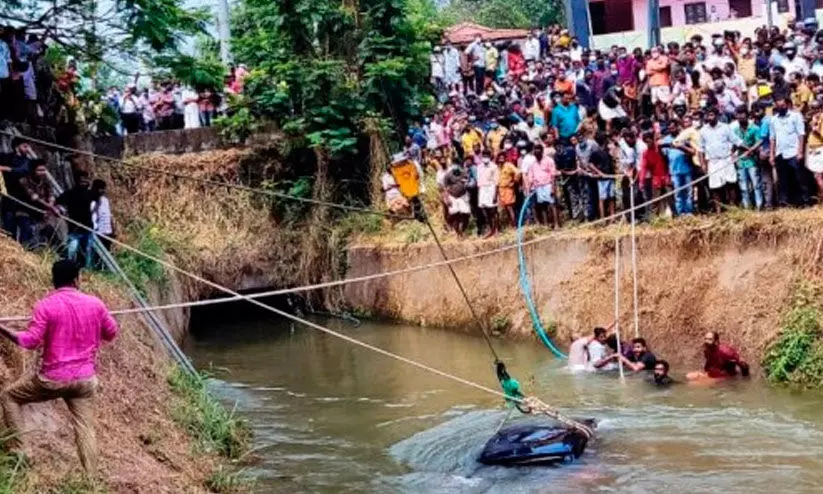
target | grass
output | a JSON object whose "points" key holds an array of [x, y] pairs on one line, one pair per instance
{"points": [[228, 481], [77, 485], [13, 470], [141, 271], [796, 356], [215, 428]]}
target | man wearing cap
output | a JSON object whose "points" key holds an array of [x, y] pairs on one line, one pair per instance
{"points": [[717, 141]]}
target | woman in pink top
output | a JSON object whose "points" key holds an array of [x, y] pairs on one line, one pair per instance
{"points": [[541, 175]]}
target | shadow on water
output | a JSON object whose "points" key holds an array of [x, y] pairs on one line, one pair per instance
{"points": [[330, 417]]}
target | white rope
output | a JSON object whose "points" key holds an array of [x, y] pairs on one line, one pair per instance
{"points": [[409, 270], [634, 265], [617, 302], [287, 315]]}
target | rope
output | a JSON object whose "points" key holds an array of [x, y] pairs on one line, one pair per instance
{"points": [[412, 269], [525, 283], [292, 317], [206, 181], [474, 315], [617, 302], [537, 406], [634, 263]]}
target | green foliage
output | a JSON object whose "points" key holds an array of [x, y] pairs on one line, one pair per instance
{"points": [[505, 13], [238, 125], [216, 428], [796, 356], [321, 67], [143, 272]]}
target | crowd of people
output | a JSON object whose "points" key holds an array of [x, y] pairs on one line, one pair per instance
{"points": [[25, 180], [169, 105], [33, 91], [583, 132]]}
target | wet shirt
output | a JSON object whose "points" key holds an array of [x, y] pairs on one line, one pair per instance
{"points": [[69, 326], [721, 361], [648, 359]]}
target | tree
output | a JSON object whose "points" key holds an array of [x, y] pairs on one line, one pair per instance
{"points": [[93, 30], [505, 13], [320, 67]]}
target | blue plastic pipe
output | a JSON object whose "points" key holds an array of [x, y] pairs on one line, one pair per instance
{"points": [[526, 286]]}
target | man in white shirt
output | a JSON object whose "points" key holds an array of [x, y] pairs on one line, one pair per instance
{"points": [[792, 63], [717, 141], [477, 51], [531, 48], [451, 66], [787, 132]]}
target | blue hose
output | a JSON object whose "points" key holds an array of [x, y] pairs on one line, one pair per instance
{"points": [[526, 286]]}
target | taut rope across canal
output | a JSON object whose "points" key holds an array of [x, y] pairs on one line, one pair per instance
{"points": [[547, 410]]}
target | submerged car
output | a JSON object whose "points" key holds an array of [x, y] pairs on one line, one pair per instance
{"points": [[534, 444]]}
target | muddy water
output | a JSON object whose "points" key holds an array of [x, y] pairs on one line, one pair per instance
{"points": [[329, 417]]}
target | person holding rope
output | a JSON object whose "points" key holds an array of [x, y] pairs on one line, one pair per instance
{"points": [[69, 327]]}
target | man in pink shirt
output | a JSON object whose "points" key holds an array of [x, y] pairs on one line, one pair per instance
{"points": [[69, 327], [541, 176]]}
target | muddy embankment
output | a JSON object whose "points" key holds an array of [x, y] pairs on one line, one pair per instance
{"points": [[732, 274], [142, 449]]}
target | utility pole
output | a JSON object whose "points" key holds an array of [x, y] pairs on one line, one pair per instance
{"points": [[769, 19], [654, 22], [223, 32]]}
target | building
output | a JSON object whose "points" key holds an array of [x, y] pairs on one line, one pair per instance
{"points": [[627, 22], [465, 32]]}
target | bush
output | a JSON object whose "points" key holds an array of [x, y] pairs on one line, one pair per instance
{"points": [[206, 419], [796, 356]]}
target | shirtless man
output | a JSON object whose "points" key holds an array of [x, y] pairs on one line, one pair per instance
{"points": [[721, 360]]}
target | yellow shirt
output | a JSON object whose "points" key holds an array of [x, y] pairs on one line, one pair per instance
{"points": [[746, 67], [469, 139], [509, 175], [816, 134], [801, 97], [495, 138], [2, 185], [492, 55], [690, 136]]}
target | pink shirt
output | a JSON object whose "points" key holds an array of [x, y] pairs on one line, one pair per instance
{"points": [[542, 173], [70, 327]]}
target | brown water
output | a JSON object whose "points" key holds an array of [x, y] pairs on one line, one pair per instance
{"points": [[330, 417]]}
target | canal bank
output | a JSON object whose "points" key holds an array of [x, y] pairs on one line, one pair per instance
{"points": [[734, 274]]}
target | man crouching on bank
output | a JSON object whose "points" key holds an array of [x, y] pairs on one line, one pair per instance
{"points": [[69, 326]]}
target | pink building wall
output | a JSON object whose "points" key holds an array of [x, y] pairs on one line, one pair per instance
{"points": [[641, 16]]}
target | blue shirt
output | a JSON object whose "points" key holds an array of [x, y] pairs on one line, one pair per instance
{"points": [[764, 133], [566, 119], [679, 161], [787, 132]]}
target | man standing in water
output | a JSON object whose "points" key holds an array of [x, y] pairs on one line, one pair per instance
{"points": [[721, 360], [69, 326]]}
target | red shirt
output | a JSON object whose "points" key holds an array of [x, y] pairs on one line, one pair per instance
{"points": [[720, 359], [70, 326]]}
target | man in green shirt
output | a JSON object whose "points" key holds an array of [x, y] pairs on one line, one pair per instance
{"points": [[747, 171]]}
